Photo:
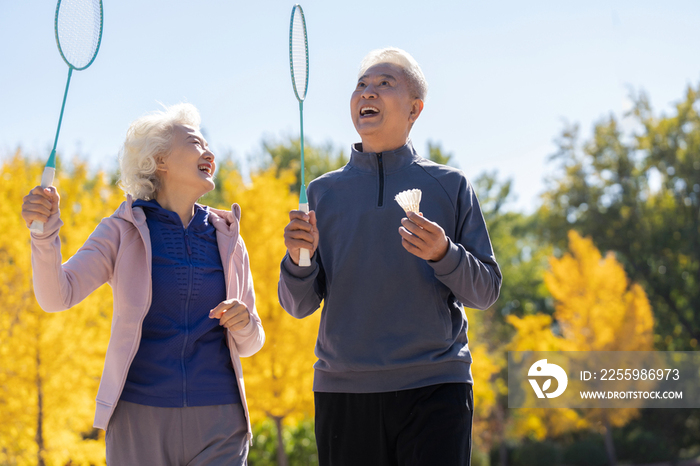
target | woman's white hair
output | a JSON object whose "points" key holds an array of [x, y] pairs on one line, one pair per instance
{"points": [[416, 80], [149, 140]]}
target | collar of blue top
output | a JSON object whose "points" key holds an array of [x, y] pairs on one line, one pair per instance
{"points": [[199, 221]]}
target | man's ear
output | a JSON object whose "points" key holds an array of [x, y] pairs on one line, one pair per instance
{"points": [[416, 109]]}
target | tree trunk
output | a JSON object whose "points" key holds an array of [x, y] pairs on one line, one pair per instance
{"points": [[502, 447], [503, 454], [282, 459], [40, 410], [609, 444]]}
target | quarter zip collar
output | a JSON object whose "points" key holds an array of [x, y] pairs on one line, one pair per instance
{"points": [[392, 160]]}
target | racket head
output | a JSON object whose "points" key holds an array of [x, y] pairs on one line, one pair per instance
{"points": [[78, 29], [299, 53]]}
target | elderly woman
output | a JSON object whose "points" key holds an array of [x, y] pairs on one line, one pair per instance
{"points": [[172, 388]]}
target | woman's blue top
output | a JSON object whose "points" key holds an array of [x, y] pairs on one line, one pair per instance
{"points": [[183, 359]]}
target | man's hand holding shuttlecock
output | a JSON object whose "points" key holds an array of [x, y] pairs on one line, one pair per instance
{"points": [[421, 237], [301, 233]]}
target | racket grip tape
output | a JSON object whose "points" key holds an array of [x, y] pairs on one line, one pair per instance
{"points": [[304, 257], [46, 181]]}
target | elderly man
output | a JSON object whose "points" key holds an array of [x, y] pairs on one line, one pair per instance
{"points": [[393, 380]]}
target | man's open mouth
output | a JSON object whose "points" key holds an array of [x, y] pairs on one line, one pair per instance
{"points": [[368, 111]]}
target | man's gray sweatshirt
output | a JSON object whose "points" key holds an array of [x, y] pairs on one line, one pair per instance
{"points": [[391, 320]]}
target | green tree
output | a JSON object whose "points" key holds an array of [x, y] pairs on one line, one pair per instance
{"points": [[636, 192], [286, 155], [638, 195], [436, 154], [523, 260], [521, 255]]}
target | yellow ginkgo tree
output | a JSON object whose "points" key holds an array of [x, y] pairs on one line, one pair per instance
{"points": [[596, 309], [50, 364], [279, 377]]}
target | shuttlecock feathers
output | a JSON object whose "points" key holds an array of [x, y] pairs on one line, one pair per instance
{"points": [[409, 200]]}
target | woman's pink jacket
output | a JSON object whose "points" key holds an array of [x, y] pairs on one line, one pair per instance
{"points": [[118, 252]]}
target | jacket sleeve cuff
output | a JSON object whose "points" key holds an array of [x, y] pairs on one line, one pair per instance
{"points": [[248, 329], [450, 262], [294, 270], [50, 227]]}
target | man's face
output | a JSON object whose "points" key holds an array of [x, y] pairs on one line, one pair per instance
{"points": [[383, 109]]}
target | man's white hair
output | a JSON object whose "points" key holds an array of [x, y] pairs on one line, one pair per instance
{"points": [[416, 80], [148, 140]]}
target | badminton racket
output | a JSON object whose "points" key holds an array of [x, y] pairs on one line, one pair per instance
{"points": [[78, 29], [299, 67]]}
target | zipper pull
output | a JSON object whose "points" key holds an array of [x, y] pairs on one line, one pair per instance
{"points": [[380, 163], [187, 243]]}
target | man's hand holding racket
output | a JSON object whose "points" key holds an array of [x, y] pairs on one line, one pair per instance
{"points": [[40, 204], [300, 233]]}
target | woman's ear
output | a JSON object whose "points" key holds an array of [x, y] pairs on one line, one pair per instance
{"points": [[161, 165]]}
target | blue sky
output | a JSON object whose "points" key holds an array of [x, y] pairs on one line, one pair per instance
{"points": [[503, 75]]}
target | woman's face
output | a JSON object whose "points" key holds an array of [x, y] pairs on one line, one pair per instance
{"points": [[190, 165]]}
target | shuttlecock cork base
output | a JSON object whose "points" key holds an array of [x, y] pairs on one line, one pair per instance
{"points": [[409, 200]]}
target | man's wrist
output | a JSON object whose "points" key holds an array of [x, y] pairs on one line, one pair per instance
{"points": [[295, 270], [443, 252]]}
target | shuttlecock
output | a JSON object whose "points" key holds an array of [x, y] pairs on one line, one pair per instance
{"points": [[409, 200]]}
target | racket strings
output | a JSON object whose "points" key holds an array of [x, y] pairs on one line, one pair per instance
{"points": [[299, 54], [79, 28]]}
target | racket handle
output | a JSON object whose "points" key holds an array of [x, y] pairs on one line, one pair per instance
{"points": [[304, 259], [46, 181]]}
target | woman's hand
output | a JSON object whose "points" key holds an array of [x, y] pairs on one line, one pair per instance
{"points": [[39, 204], [232, 314]]}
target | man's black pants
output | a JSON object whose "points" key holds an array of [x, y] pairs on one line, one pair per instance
{"points": [[425, 426]]}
